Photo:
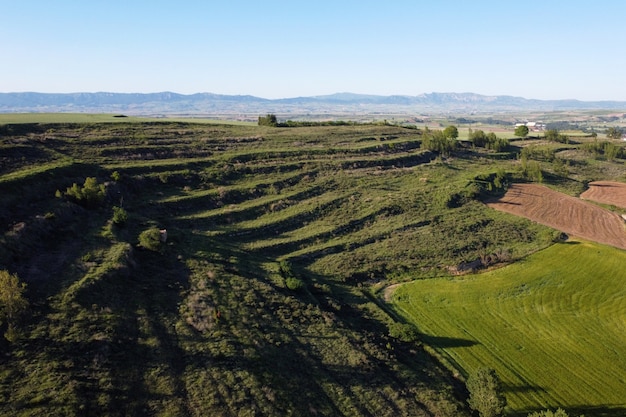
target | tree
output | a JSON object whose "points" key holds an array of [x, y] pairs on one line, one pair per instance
{"points": [[486, 395], [553, 135], [478, 138], [269, 120], [521, 131], [403, 331], [451, 132], [437, 141], [12, 303], [614, 133]]}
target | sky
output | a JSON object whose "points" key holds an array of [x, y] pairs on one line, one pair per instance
{"points": [[549, 49]]}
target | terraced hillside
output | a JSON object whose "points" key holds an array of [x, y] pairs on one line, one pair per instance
{"points": [[260, 301]]}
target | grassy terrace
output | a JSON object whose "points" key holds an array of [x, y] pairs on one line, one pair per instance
{"points": [[210, 324]]}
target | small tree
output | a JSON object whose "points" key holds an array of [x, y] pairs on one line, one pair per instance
{"points": [[150, 239], [12, 303], [294, 283], [269, 120], [521, 131], [614, 133], [120, 216], [403, 331], [438, 142], [89, 195], [486, 395], [553, 135], [451, 132]]}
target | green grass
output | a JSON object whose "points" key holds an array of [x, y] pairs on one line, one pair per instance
{"points": [[553, 326]]}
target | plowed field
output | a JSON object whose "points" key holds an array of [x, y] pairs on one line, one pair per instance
{"points": [[565, 213], [606, 192]]}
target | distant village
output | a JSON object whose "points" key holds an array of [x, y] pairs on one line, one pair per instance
{"points": [[533, 126]]}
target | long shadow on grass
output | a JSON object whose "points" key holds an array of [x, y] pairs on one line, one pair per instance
{"points": [[101, 339], [343, 360], [344, 246], [445, 342], [522, 388]]}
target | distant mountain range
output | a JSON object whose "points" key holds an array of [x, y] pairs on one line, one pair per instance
{"points": [[167, 103]]}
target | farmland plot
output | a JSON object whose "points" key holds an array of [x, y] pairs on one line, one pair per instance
{"points": [[606, 192], [565, 213], [553, 326]]}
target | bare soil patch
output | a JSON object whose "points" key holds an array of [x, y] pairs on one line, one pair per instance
{"points": [[388, 292], [562, 212], [606, 192]]}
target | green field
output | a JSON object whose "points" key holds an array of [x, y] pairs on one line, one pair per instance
{"points": [[553, 326]]}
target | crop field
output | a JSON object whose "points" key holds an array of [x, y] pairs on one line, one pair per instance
{"points": [[606, 192], [193, 269], [566, 213], [553, 326]]}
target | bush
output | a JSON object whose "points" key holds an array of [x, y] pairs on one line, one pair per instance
{"points": [[553, 135], [89, 195], [294, 283], [488, 140], [150, 239], [486, 395], [437, 141], [404, 332], [269, 120], [13, 305], [120, 216]]}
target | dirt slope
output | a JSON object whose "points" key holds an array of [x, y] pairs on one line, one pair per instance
{"points": [[606, 192], [562, 212]]}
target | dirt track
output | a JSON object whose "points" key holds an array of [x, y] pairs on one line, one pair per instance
{"points": [[606, 192], [562, 212]]}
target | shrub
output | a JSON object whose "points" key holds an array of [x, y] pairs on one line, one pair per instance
{"points": [[488, 140], [404, 332], [269, 120], [486, 395], [120, 216], [294, 283], [437, 141], [89, 195], [12, 303], [614, 133], [553, 135], [150, 239]]}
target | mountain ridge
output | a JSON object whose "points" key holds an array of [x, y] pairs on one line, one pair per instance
{"points": [[168, 102]]}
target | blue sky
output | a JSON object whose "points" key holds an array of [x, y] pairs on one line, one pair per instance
{"points": [[273, 49]]}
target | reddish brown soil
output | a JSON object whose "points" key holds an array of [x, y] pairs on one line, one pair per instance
{"points": [[562, 212], [606, 192]]}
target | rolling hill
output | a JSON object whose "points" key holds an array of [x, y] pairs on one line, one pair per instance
{"points": [[207, 103]]}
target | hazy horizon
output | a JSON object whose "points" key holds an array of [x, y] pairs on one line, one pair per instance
{"points": [[277, 49], [300, 96]]}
